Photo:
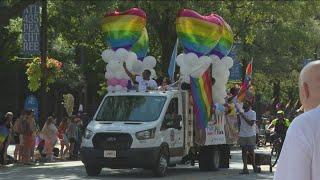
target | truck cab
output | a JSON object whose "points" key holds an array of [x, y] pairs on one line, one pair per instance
{"points": [[150, 130]]}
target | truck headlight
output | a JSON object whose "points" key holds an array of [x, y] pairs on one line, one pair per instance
{"points": [[88, 134], [147, 134]]}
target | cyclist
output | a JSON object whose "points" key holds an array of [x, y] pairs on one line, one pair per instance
{"points": [[280, 125]]}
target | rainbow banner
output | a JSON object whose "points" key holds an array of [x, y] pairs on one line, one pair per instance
{"points": [[4, 133], [198, 34], [123, 29], [246, 83], [201, 91]]}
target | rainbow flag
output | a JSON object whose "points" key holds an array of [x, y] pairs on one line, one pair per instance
{"points": [[4, 133], [201, 91], [245, 83]]}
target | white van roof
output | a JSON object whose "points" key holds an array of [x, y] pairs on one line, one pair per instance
{"points": [[144, 93]]}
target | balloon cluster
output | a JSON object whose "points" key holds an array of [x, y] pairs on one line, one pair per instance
{"points": [[117, 78], [207, 40], [127, 35]]}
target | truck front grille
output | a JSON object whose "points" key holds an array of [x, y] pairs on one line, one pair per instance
{"points": [[112, 141]]}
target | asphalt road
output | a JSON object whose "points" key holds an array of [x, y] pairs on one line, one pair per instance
{"points": [[75, 170]]}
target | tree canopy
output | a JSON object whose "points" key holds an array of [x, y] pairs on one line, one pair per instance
{"points": [[277, 35]]}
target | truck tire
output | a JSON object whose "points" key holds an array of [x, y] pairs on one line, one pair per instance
{"points": [[214, 159], [203, 159], [209, 159], [93, 170], [161, 166]]}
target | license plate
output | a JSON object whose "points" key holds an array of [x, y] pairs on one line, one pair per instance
{"points": [[110, 154]]}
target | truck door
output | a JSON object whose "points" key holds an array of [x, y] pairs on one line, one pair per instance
{"points": [[173, 128]]}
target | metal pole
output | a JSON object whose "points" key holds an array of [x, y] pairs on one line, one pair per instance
{"points": [[43, 94]]}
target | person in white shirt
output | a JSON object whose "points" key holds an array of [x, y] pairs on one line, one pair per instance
{"points": [[247, 136], [300, 154], [144, 81]]}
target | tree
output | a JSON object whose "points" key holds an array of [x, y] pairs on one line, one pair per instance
{"points": [[10, 9]]}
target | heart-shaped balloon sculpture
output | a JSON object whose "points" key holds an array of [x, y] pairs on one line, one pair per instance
{"points": [[226, 41], [123, 29], [142, 45], [198, 34]]}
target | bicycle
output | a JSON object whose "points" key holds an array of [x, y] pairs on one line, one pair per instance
{"points": [[275, 152]]}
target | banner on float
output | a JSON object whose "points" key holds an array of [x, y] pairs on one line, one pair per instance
{"points": [[215, 133]]}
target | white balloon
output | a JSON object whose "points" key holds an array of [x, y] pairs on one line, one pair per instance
{"points": [[215, 59], [118, 88], [149, 62], [191, 59], [179, 59], [131, 56], [205, 61], [137, 67], [118, 75], [110, 88], [153, 74], [121, 55], [108, 75], [107, 55], [228, 61]]}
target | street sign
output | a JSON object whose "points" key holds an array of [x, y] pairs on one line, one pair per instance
{"points": [[31, 30], [31, 103]]}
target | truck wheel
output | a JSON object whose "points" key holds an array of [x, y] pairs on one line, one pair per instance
{"points": [[161, 167], [93, 170], [214, 159], [203, 159]]}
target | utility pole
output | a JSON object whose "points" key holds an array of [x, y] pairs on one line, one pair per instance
{"points": [[44, 47]]}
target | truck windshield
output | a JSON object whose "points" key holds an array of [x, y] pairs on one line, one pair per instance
{"points": [[131, 108]]}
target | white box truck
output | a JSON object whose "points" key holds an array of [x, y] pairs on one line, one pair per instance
{"points": [[151, 130]]}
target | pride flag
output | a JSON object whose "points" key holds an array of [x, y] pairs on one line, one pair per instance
{"points": [[201, 91], [245, 83]]}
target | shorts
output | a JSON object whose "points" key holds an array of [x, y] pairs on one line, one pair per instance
{"points": [[247, 141]]}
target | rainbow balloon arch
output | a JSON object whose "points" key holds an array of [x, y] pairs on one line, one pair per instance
{"points": [[206, 40]]}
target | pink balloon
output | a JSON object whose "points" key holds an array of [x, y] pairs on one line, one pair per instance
{"points": [[112, 82], [124, 82], [118, 81]]}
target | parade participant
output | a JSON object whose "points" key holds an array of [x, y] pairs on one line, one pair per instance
{"points": [[280, 125], [27, 131], [49, 134], [165, 85], [78, 137], [72, 135], [247, 136], [62, 134], [145, 82], [5, 128], [300, 157]]}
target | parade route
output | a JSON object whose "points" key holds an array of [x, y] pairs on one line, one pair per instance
{"points": [[75, 170]]}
